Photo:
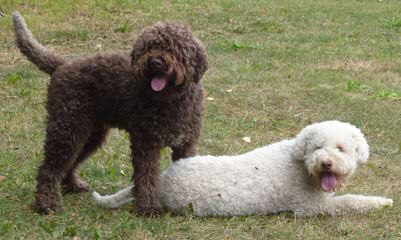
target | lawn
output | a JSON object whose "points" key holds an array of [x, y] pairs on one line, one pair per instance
{"points": [[275, 67]]}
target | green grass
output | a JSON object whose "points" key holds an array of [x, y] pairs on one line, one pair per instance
{"points": [[393, 23], [287, 64]]}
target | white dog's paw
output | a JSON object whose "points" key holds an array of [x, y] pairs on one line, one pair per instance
{"points": [[381, 202], [387, 202]]}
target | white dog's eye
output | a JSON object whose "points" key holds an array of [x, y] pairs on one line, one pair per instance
{"points": [[318, 147], [340, 148]]}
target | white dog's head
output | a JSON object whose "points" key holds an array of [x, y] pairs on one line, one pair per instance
{"points": [[331, 151]]}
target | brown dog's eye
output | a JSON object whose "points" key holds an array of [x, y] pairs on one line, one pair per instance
{"points": [[340, 148]]}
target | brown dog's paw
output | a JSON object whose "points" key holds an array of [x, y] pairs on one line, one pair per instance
{"points": [[48, 207], [75, 185], [151, 212], [151, 208]]}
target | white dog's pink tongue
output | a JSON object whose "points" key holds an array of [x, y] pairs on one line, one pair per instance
{"points": [[328, 181], [158, 84]]}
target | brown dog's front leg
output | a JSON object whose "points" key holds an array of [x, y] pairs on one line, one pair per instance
{"points": [[146, 163]]}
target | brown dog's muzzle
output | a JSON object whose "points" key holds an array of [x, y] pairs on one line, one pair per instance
{"points": [[163, 71]]}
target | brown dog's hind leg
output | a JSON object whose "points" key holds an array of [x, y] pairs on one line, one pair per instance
{"points": [[66, 134], [146, 161], [72, 182]]}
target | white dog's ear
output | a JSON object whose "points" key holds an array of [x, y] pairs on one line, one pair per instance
{"points": [[301, 142], [362, 147], [299, 149]]}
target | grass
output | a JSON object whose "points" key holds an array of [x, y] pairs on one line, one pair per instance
{"points": [[388, 94], [393, 23], [285, 63]]}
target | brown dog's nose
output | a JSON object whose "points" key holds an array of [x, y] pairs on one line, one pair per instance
{"points": [[155, 62], [327, 165]]}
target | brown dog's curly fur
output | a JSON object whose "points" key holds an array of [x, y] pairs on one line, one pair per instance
{"points": [[87, 97]]}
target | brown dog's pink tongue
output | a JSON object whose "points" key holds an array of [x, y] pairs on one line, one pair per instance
{"points": [[158, 84], [328, 181]]}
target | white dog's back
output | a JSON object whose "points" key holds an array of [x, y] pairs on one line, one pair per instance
{"points": [[229, 185], [250, 183]]}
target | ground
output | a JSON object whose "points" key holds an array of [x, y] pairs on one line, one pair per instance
{"points": [[275, 66]]}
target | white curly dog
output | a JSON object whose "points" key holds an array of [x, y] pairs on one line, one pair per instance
{"points": [[298, 175]]}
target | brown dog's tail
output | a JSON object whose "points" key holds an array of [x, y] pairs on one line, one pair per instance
{"points": [[32, 49]]}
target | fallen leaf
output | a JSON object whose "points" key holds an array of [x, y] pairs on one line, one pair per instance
{"points": [[76, 238], [210, 98], [246, 139], [2, 178], [122, 172], [229, 90]]}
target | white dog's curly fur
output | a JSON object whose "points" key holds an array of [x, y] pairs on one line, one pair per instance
{"points": [[298, 175]]}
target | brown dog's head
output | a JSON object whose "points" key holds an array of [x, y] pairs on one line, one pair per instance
{"points": [[168, 57]]}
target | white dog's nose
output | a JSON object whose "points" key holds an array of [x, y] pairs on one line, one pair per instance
{"points": [[326, 165]]}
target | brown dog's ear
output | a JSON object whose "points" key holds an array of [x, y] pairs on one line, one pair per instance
{"points": [[180, 74], [201, 62]]}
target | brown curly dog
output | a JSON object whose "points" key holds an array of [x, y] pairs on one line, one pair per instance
{"points": [[155, 93]]}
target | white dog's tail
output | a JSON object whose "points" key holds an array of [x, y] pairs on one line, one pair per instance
{"points": [[115, 200]]}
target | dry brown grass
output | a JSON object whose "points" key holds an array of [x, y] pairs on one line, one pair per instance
{"points": [[356, 65]]}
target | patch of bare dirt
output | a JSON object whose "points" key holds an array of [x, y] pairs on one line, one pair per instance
{"points": [[355, 65]]}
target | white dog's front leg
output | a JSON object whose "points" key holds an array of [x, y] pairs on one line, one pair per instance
{"points": [[338, 205]]}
